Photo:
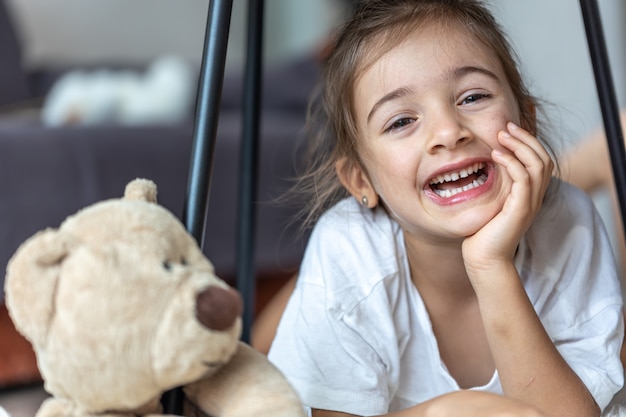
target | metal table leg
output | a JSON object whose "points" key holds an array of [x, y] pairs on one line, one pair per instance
{"points": [[205, 131], [606, 95]]}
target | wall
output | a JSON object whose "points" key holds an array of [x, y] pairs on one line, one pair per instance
{"points": [[550, 38], [63, 32]]}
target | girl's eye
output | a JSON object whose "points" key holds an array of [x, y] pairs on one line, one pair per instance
{"points": [[399, 124], [473, 98]]}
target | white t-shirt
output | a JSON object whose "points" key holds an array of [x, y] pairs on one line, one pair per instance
{"points": [[356, 337]]}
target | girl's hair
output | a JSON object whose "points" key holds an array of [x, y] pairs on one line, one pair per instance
{"points": [[374, 28]]}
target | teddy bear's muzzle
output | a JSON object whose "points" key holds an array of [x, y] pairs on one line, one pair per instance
{"points": [[218, 308]]}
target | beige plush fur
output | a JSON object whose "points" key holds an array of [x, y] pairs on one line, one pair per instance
{"points": [[120, 305]]}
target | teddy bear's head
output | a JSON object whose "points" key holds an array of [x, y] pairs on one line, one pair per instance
{"points": [[120, 304]]}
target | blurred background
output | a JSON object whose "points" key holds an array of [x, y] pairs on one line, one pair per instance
{"points": [[549, 37], [79, 32]]}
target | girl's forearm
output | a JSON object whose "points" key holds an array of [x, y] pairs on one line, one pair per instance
{"points": [[472, 404], [530, 367]]}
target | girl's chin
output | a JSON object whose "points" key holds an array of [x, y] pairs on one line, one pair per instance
{"points": [[471, 225]]}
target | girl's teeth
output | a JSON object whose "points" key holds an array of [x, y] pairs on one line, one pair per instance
{"points": [[454, 191], [455, 176]]}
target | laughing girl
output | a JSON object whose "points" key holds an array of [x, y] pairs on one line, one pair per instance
{"points": [[448, 273]]}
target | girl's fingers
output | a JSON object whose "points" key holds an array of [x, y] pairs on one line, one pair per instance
{"points": [[529, 151], [523, 151], [528, 164], [517, 171], [529, 140], [524, 157]]}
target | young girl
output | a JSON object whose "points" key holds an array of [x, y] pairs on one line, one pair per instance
{"points": [[449, 274]]}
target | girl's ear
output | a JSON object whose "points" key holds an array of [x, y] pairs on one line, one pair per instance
{"points": [[356, 181]]}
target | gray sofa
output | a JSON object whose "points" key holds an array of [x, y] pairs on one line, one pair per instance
{"points": [[47, 174]]}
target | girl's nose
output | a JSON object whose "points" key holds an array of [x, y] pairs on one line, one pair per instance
{"points": [[447, 131]]}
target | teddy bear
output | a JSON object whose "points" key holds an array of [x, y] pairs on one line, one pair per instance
{"points": [[121, 305]]}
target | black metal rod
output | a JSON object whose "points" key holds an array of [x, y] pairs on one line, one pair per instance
{"points": [[606, 95], [249, 161], [205, 131], [206, 118]]}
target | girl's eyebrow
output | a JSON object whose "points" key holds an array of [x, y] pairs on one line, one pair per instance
{"points": [[393, 95], [463, 71]]}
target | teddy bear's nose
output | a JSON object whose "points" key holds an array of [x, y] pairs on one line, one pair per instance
{"points": [[217, 308]]}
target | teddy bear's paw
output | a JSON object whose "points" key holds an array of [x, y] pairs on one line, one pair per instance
{"points": [[248, 385], [55, 407], [160, 415]]}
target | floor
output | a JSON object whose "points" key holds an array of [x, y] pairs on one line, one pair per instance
{"points": [[21, 392], [23, 401]]}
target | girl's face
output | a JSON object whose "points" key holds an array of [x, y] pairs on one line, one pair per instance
{"points": [[428, 113]]}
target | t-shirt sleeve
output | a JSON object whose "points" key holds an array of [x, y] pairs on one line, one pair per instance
{"points": [[330, 365], [335, 341], [592, 350]]}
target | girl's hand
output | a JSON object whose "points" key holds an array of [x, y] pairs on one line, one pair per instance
{"points": [[530, 167]]}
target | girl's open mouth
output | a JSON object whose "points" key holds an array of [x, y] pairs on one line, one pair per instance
{"points": [[452, 183]]}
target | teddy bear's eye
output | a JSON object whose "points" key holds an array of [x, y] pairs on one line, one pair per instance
{"points": [[183, 261], [167, 266]]}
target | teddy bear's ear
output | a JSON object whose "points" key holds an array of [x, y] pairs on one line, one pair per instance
{"points": [[31, 282], [141, 189]]}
